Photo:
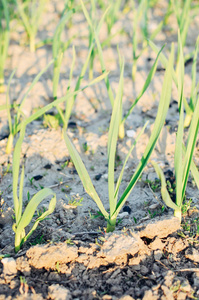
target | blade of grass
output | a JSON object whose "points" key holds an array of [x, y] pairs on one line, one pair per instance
{"points": [[159, 122], [112, 140], [165, 195], [178, 163], [83, 174]]}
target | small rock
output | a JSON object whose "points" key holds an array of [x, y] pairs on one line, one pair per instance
{"points": [[9, 266], [194, 256], [158, 254], [131, 133], [161, 228], [168, 294], [118, 245], [123, 215], [144, 270], [57, 292], [156, 244]]}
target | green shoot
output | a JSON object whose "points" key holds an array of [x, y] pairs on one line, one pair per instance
{"points": [[13, 124], [23, 219], [58, 50], [30, 13], [183, 154], [183, 19], [115, 205], [4, 40], [107, 82]]}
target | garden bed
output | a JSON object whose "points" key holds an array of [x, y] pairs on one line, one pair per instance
{"points": [[69, 255]]}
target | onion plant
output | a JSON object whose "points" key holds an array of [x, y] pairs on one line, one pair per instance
{"points": [[141, 21], [183, 154], [107, 82], [189, 107], [116, 204], [70, 95], [23, 218], [110, 13], [30, 13], [59, 48], [4, 39], [183, 18], [69, 103], [13, 124]]}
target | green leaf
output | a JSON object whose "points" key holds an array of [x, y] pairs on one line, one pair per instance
{"points": [[192, 137], [178, 163], [27, 216], [112, 140], [165, 195], [15, 168], [146, 85], [159, 122], [83, 174], [126, 160]]}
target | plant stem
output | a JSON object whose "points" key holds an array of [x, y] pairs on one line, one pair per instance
{"points": [[178, 214], [111, 225], [32, 43], [9, 143]]}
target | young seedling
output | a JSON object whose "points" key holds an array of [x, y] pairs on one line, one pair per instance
{"points": [[13, 124], [4, 40], [183, 19], [107, 82], [115, 205], [30, 13], [71, 100], [70, 95], [189, 107], [183, 154], [23, 218], [59, 48]]}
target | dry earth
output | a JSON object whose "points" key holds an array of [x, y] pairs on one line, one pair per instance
{"points": [[69, 256]]}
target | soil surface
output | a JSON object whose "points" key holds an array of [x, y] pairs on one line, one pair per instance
{"points": [[70, 256]]}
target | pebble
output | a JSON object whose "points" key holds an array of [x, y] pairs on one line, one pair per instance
{"points": [[167, 292], [9, 266], [144, 270], [158, 254], [156, 268], [57, 292], [131, 133], [123, 215]]}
